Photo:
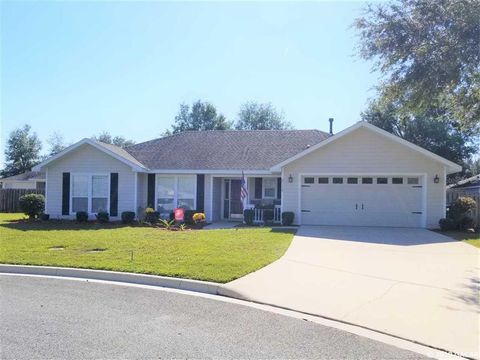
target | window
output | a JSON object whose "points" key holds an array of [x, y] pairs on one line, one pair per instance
{"points": [[308, 180], [90, 193], [412, 180], [367, 180], [323, 180], [186, 192], [80, 193], [337, 180], [397, 180], [174, 192], [352, 180], [382, 180], [269, 188], [99, 193]]}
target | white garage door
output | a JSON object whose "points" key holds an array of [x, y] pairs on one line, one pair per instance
{"points": [[362, 200]]}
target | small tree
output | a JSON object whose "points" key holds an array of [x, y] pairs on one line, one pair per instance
{"points": [[255, 116], [461, 207], [32, 205]]}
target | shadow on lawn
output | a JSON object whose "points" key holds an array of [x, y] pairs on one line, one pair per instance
{"points": [[38, 225]]}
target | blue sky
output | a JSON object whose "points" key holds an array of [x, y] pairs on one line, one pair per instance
{"points": [[81, 68]]}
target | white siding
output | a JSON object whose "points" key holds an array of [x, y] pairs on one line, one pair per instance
{"points": [[217, 199], [87, 159], [142, 191], [361, 152], [208, 197]]}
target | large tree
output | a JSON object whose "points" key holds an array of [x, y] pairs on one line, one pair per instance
{"points": [[428, 54], [199, 116], [119, 141], [426, 129], [22, 152], [255, 116], [56, 143]]}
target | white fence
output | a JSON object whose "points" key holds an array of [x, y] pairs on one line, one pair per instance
{"points": [[258, 215], [454, 194]]}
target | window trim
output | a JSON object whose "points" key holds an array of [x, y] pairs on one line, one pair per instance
{"points": [[275, 185], [89, 195], [175, 188]]}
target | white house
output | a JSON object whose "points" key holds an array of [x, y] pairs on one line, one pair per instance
{"points": [[361, 176], [30, 180]]}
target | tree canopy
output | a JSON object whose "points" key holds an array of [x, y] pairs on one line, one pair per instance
{"points": [[199, 116], [428, 54], [255, 116], [56, 144], [22, 151], [119, 141]]}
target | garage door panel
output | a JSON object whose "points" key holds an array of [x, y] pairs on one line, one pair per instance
{"points": [[398, 205]]}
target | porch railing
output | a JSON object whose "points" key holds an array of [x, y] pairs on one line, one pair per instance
{"points": [[258, 214]]}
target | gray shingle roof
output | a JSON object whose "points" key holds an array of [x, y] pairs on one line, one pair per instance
{"points": [[28, 175], [120, 152], [224, 149]]}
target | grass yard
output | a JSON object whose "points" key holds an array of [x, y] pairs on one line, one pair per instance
{"points": [[213, 255], [471, 238]]}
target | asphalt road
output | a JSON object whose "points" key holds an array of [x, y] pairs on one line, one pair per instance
{"points": [[57, 318]]}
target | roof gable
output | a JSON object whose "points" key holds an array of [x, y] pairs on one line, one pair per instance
{"points": [[112, 150], [451, 166]]}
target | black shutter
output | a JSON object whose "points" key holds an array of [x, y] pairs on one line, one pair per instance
{"points": [[114, 194], [151, 191], [258, 188], [200, 192], [66, 194], [279, 188]]}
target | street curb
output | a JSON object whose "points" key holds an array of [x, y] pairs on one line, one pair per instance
{"points": [[204, 287]]}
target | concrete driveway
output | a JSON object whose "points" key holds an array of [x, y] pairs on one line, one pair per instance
{"points": [[411, 283]]}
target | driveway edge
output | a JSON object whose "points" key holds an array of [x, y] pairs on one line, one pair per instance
{"points": [[204, 287]]}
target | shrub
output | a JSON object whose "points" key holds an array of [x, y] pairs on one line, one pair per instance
{"points": [[248, 216], [128, 217], [461, 207], [151, 216], [103, 217], [466, 223], [287, 218], [188, 216], [45, 217], [447, 224], [268, 215], [32, 205], [81, 216], [198, 217]]}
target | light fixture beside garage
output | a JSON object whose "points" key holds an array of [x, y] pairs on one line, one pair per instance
{"points": [[436, 179], [290, 178]]}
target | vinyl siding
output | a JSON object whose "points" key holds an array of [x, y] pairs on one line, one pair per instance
{"points": [[87, 159], [364, 151], [141, 191], [217, 199]]}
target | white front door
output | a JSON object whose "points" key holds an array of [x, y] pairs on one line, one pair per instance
{"points": [[362, 200]]}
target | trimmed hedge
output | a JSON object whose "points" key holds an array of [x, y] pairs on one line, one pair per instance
{"points": [[447, 224], [103, 217], [248, 216], [287, 218], [81, 216], [128, 217], [32, 205]]}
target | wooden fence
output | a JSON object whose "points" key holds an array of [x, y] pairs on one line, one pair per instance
{"points": [[454, 194], [9, 198]]}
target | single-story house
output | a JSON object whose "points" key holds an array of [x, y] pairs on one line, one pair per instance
{"points": [[361, 176], [30, 180], [466, 187]]}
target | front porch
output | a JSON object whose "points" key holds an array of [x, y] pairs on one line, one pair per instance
{"points": [[264, 193]]}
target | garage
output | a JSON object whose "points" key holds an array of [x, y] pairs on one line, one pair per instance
{"points": [[363, 200]]}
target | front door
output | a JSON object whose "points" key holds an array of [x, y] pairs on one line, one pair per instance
{"points": [[232, 204]]}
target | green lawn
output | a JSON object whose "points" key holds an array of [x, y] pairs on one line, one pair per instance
{"points": [[213, 255], [471, 238]]}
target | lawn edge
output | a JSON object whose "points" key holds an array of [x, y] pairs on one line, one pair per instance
{"points": [[205, 287]]}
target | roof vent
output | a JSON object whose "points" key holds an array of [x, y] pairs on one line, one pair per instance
{"points": [[331, 125]]}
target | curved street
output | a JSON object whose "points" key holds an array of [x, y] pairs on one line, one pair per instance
{"points": [[60, 318]]}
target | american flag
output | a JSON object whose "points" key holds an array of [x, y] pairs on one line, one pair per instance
{"points": [[243, 189]]}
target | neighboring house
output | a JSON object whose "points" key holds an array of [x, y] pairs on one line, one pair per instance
{"points": [[468, 187], [360, 176], [30, 180]]}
